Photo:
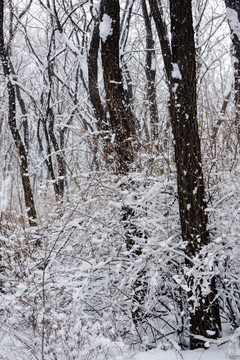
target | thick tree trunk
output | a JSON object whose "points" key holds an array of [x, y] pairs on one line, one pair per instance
{"points": [[120, 116], [123, 128], [204, 314], [180, 65], [28, 195]]}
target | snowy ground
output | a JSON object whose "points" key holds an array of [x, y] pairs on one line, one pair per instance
{"points": [[61, 291], [214, 353], [16, 348]]}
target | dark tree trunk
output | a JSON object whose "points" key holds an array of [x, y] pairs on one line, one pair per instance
{"points": [[183, 109], [28, 195], [94, 95], [120, 116], [124, 30], [93, 76], [156, 10], [123, 129], [48, 121], [48, 159], [59, 156], [180, 65], [150, 71], [233, 17], [204, 316]]}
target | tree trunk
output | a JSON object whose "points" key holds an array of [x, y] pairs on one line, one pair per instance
{"points": [[180, 65], [233, 17], [120, 116], [28, 195], [150, 71], [123, 128], [93, 76], [204, 315]]}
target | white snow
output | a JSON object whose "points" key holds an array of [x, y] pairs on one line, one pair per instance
{"points": [[70, 44], [113, 138], [233, 21], [176, 73], [153, 64], [4, 190], [105, 27], [206, 354], [215, 352], [76, 51]]}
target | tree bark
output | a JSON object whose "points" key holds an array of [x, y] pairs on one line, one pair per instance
{"points": [[204, 315], [155, 6], [120, 116], [233, 17], [150, 71], [123, 127], [93, 76], [180, 65], [28, 195]]}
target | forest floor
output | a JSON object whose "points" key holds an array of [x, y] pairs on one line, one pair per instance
{"points": [[67, 284], [213, 353], [15, 348]]}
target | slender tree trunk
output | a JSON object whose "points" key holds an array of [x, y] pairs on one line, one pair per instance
{"points": [[150, 71], [61, 172], [93, 76], [94, 95], [124, 34], [233, 17], [28, 195]]}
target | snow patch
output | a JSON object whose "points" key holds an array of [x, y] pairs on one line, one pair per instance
{"points": [[4, 193], [105, 27], [233, 21], [68, 42], [176, 73]]}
